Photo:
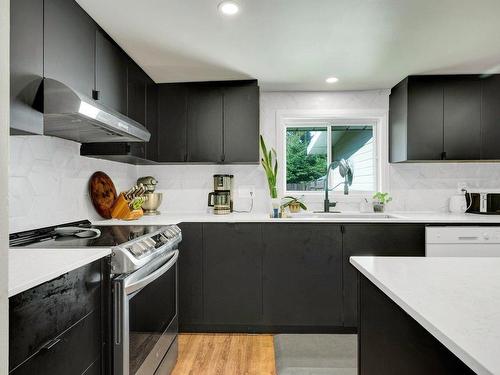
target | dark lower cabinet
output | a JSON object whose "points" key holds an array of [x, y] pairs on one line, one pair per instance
{"points": [[26, 65], [392, 343], [69, 45], [59, 327], [190, 265], [302, 275], [232, 274], [375, 240]]}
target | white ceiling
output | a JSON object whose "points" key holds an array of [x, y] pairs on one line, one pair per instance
{"points": [[295, 45]]}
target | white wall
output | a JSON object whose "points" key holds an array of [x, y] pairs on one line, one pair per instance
{"points": [[4, 165]]}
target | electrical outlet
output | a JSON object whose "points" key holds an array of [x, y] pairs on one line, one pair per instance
{"points": [[246, 191], [461, 186]]}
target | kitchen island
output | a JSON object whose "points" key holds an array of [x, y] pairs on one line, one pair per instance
{"points": [[429, 315]]}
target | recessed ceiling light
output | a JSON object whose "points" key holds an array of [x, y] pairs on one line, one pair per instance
{"points": [[228, 8], [332, 80]]}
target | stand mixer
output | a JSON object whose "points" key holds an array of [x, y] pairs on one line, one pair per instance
{"points": [[153, 200]]}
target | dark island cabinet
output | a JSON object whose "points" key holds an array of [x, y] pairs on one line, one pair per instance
{"points": [[209, 122], [374, 240], [302, 275], [26, 65], [111, 73], [191, 276], [69, 45], [232, 274], [444, 117], [59, 327]]}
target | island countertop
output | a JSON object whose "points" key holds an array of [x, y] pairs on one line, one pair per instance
{"points": [[456, 299]]}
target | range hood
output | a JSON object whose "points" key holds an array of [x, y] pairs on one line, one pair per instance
{"points": [[71, 115]]}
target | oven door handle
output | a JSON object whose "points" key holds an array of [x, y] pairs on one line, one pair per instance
{"points": [[139, 284]]}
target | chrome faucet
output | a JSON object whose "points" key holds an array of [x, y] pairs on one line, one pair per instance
{"points": [[345, 170]]}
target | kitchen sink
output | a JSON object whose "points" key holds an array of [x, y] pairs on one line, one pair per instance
{"points": [[344, 215]]}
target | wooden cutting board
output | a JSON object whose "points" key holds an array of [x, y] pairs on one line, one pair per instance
{"points": [[103, 193]]}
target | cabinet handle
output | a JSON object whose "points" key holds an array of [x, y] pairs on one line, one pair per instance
{"points": [[443, 155], [222, 158], [49, 345], [95, 94]]}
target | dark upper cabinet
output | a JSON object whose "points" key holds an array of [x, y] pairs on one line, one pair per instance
{"points": [[241, 123], [232, 274], [172, 122], [444, 117], [69, 45], [375, 240], [212, 122], [111, 73], [490, 118], [26, 65], [302, 283], [204, 123], [137, 89], [152, 119], [462, 118]]}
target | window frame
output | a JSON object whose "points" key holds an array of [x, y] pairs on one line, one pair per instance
{"points": [[319, 118]]}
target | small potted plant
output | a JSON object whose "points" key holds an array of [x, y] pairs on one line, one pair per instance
{"points": [[380, 199], [294, 204]]}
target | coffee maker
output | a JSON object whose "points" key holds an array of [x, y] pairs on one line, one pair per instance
{"points": [[221, 199]]}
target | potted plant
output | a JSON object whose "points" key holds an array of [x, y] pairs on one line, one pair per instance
{"points": [[270, 164], [294, 204], [380, 199]]}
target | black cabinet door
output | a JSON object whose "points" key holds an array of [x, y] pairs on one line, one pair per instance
{"points": [[136, 100], [302, 275], [111, 73], [73, 352], [490, 118], [232, 274], [462, 118], [152, 120], [69, 45], [241, 123], [190, 265], [204, 123], [26, 65], [172, 122], [375, 240], [425, 118]]}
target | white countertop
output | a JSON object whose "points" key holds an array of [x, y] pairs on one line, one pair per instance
{"points": [[401, 217], [456, 299], [32, 267]]}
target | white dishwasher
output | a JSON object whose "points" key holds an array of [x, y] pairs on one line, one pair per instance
{"points": [[462, 241]]}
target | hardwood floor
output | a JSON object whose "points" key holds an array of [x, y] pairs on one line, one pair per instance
{"points": [[225, 354]]}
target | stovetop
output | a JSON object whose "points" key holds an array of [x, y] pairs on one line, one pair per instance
{"points": [[132, 246], [112, 235]]}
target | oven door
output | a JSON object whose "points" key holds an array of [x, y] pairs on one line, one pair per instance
{"points": [[145, 316]]}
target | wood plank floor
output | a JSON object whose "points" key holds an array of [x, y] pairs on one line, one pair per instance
{"points": [[225, 354]]}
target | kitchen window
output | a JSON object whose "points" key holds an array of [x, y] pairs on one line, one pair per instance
{"points": [[309, 146]]}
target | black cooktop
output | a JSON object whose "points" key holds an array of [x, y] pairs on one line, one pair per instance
{"points": [[47, 238]]}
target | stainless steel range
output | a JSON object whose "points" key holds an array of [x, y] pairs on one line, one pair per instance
{"points": [[144, 287]]}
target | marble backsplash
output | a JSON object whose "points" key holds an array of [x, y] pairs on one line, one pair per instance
{"points": [[48, 182]]}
